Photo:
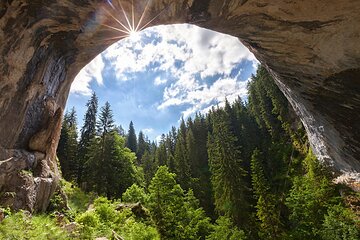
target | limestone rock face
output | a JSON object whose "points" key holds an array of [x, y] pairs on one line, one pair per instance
{"points": [[311, 47]]}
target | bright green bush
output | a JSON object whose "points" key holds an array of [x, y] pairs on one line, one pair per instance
{"points": [[134, 194], [339, 224], [105, 210], [224, 230], [133, 230]]}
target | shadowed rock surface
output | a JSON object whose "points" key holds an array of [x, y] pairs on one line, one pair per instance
{"points": [[312, 48]]}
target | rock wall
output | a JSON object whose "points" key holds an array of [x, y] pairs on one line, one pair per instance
{"points": [[311, 47]]}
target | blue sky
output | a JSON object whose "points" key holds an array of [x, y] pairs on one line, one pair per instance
{"points": [[163, 73]]}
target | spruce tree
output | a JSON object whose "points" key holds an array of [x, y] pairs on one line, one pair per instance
{"points": [[88, 132], [105, 124], [161, 154], [142, 147], [175, 214], [110, 165], [149, 166], [181, 158], [267, 210], [131, 138], [68, 146], [230, 189], [309, 199]]}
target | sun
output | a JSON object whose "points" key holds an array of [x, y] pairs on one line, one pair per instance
{"points": [[129, 28], [133, 34]]}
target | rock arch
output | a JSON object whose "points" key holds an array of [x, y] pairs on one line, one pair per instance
{"points": [[311, 47]]}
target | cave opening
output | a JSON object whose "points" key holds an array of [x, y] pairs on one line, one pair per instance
{"points": [[161, 73], [45, 45], [164, 73]]}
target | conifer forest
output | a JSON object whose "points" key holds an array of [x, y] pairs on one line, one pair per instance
{"points": [[242, 171]]}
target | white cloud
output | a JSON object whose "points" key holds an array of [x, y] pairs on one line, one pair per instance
{"points": [[181, 56], [159, 81], [200, 51], [92, 71], [148, 130], [200, 98], [158, 139]]}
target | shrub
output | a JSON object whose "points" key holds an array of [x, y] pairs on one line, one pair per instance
{"points": [[134, 194]]}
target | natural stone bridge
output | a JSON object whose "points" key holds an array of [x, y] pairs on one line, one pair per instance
{"points": [[312, 48]]}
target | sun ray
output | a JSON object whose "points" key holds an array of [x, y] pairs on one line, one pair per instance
{"points": [[131, 29], [117, 20], [110, 3], [115, 28], [149, 22], [142, 15], [125, 15], [114, 38], [132, 16]]}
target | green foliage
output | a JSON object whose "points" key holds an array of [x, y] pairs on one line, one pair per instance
{"points": [[142, 147], [134, 194], [88, 132], [339, 224], [149, 167], [89, 221], [105, 221], [266, 206], [133, 230], [230, 189], [181, 158], [308, 201], [78, 200], [67, 150], [21, 225], [225, 230], [175, 214], [278, 191], [105, 124], [107, 160], [131, 142]]}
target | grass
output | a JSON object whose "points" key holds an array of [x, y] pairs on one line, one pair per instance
{"points": [[20, 225], [78, 200], [103, 220]]}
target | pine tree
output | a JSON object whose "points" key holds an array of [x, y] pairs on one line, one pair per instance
{"points": [[267, 211], [175, 214], [110, 165], [68, 145], [107, 159], [142, 147], [161, 154], [230, 189], [105, 124], [149, 166], [308, 200], [131, 138], [88, 132], [181, 158]]}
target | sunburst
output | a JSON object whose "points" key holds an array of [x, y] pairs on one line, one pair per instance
{"points": [[130, 28]]}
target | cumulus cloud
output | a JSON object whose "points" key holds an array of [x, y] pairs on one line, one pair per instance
{"points": [[159, 81], [148, 130], [198, 50], [182, 58], [189, 55], [201, 98], [91, 72]]}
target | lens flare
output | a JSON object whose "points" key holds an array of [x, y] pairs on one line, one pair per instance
{"points": [[130, 28]]}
